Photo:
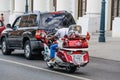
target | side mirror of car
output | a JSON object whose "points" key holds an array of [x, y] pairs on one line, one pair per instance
{"points": [[8, 25]]}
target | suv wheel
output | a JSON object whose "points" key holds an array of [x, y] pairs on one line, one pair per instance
{"points": [[4, 48], [27, 50]]}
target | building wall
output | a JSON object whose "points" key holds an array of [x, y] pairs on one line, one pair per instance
{"points": [[68, 5], [89, 22], [4, 8], [116, 27], [40, 5], [108, 15]]}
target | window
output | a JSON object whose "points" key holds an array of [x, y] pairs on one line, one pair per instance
{"points": [[82, 4], [57, 19], [23, 22], [32, 20], [28, 21], [50, 19], [16, 25], [115, 8]]}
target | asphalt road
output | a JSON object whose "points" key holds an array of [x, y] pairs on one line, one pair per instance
{"points": [[16, 67]]}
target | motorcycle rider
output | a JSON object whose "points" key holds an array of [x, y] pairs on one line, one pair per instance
{"points": [[62, 32], [59, 34]]}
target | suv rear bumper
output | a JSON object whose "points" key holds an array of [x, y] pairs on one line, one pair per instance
{"points": [[36, 45]]}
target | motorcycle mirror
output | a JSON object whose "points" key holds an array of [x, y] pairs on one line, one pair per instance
{"points": [[88, 36]]}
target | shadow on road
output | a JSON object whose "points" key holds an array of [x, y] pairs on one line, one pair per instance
{"points": [[63, 70]]}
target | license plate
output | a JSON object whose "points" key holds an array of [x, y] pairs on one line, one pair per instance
{"points": [[78, 58]]}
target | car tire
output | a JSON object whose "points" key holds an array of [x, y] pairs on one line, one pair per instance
{"points": [[27, 50], [5, 50]]}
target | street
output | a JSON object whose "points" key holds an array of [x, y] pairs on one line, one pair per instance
{"points": [[16, 67]]}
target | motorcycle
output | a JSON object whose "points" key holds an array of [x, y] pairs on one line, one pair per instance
{"points": [[73, 54]]}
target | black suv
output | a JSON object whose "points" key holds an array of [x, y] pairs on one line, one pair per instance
{"points": [[21, 34]]}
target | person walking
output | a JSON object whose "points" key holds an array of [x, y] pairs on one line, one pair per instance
{"points": [[2, 17]]}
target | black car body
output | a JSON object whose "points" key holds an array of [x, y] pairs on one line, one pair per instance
{"points": [[21, 35]]}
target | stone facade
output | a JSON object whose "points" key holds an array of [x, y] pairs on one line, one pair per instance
{"points": [[89, 22]]}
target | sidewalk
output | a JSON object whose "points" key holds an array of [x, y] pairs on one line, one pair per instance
{"points": [[107, 50]]}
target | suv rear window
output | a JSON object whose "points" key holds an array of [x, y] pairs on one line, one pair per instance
{"points": [[51, 19]]}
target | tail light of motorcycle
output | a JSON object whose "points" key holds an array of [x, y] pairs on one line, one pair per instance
{"points": [[86, 57], [85, 44], [65, 56], [68, 58]]}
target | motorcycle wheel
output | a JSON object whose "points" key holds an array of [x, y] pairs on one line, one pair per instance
{"points": [[71, 69]]}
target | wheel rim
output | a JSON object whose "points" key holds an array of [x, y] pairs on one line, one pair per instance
{"points": [[27, 51], [3, 46]]}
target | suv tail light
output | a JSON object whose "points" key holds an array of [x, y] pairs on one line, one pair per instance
{"points": [[37, 34]]}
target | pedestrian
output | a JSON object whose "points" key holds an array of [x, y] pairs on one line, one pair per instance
{"points": [[2, 17]]}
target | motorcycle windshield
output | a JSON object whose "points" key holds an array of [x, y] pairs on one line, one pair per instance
{"points": [[76, 29]]}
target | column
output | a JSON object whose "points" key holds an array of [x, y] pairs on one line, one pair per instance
{"points": [[11, 6], [108, 14], [74, 9], [49, 5], [17, 7], [40, 5], [64, 5], [68, 5], [93, 14], [30, 5], [4, 5], [20, 6], [93, 7], [91, 21], [116, 27]]}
